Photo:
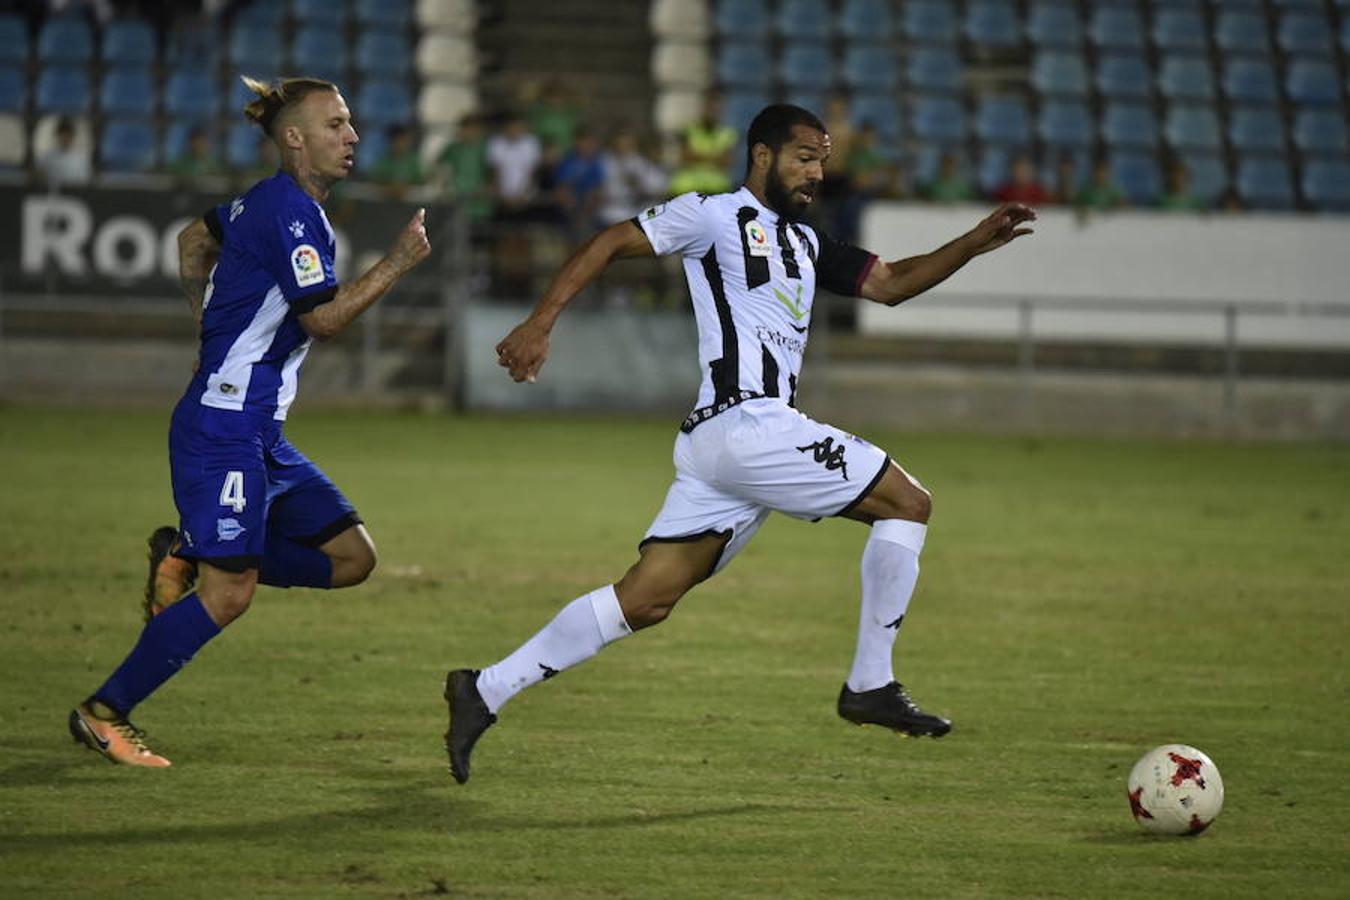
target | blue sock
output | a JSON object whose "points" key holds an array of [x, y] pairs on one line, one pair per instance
{"points": [[166, 645], [288, 564]]}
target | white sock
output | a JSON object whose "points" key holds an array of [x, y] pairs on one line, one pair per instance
{"points": [[890, 568], [577, 633]]}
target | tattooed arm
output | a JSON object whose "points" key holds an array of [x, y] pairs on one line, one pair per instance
{"points": [[198, 251]]}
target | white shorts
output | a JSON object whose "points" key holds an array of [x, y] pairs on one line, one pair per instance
{"points": [[732, 470]]}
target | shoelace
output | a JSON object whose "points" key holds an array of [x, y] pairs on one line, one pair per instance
{"points": [[134, 735]]}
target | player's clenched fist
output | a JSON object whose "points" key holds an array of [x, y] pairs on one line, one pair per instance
{"points": [[523, 351]]}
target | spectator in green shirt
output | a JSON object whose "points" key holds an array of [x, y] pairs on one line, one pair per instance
{"points": [[1179, 197], [554, 117], [1100, 193], [400, 168], [198, 158], [951, 185], [465, 172]]}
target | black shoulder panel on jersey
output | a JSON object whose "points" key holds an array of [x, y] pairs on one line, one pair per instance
{"points": [[756, 267], [842, 267], [212, 220]]}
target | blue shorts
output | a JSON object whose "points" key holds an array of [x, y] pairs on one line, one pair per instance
{"points": [[238, 482]]}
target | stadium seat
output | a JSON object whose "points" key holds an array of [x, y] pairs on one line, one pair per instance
{"points": [[1130, 125], [1250, 81], [1320, 131], [241, 146], [1186, 78], [931, 69], [239, 96], [993, 24], [1004, 121], [266, 15], [13, 40], [129, 41], [1137, 176], [389, 14], [192, 46], [1180, 30], [175, 139], [1116, 28], [1055, 24], [807, 97], [1241, 31], [461, 16], [741, 18], [382, 103], [675, 20], [1326, 184], [1059, 74], [994, 168], [448, 56], [929, 22], [1257, 129], [803, 19], [805, 64], [191, 94], [13, 141], [928, 161], [1209, 176], [386, 53], [1304, 34], [252, 49], [62, 90], [866, 20], [13, 90], [744, 66], [1066, 124], [684, 64], [1124, 77], [938, 119], [320, 52], [1263, 182], [444, 103], [881, 110], [317, 12], [870, 67], [739, 107], [127, 91], [65, 39], [1313, 83], [1193, 128], [1345, 33], [127, 146]]}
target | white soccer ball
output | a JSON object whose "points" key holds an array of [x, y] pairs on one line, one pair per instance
{"points": [[1175, 789]]}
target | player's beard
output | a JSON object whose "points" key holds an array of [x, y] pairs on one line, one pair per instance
{"points": [[781, 200]]}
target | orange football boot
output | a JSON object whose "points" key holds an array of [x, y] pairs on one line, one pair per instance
{"points": [[117, 739], [170, 578]]}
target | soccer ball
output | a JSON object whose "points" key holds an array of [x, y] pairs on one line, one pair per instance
{"points": [[1175, 789]]}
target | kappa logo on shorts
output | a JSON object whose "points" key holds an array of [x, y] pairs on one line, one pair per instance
{"points": [[228, 529], [826, 453]]}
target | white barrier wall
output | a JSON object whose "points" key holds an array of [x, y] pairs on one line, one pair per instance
{"points": [[1127, 277]]}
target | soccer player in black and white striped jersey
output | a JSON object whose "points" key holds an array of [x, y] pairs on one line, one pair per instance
{"points": [[753, 265]]}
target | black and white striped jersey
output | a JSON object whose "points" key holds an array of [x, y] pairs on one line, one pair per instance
{"points": [[752, 279]]}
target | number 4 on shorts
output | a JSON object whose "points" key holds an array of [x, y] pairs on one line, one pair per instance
{"points": [[232, 492]]}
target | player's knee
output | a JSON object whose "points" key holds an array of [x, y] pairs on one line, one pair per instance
{"points": [[363, 564], [228, 602], [646, 601]]}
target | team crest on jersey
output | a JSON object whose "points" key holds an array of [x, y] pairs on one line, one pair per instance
{"points": [[306, 266], [228, 529], [297, 229], [653, 211], [757, 239]]}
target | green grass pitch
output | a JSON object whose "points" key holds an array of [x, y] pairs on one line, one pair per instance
{"points": [[1080, 602]]}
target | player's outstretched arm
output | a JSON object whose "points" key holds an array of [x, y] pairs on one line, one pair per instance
{"points": [[197, 253], [524, 350], [895, 282], [354, 298]]}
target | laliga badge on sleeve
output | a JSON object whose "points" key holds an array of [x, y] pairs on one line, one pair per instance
{"points": [[757, 239], [306, 266]]}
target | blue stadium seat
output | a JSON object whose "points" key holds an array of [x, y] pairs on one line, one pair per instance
{"points": [[191, 95], [879, 109], [254, 48], [806, 65], [1304, 34], [1209, 176], [807, 96], [1326, 184], [1186, 78], [993, 24], [127, 145], [1320, 131], [803, 19], [1137, 176], [928, 160], [994, 169], [931, 69], [320, 52], [929, 22], [241, 145], [1124, 77], [1256, 129], [938, 119], [13, 90], [63, 90], [262, 15], [1250, 81], [1060, 74], [317, 12], [1241, 31], [1263, 182], [1313, 83], [870, 67], [1055, 25], [129, 41], [1116, 28], [193, 46], [13, 40], [1003, 120], [382, 103], [741, 18], [384, 13], [373, 147], [238, 96], [1066, 124], [175, 140], [740, 107], [1129, 125], [65, 39], [866, 20], [1193, 128], [383, 53], [744, 66], [1180, 30], [127, 91]]}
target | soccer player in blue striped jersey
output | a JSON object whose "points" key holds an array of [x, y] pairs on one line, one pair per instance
{"points": [[259, 275], [753, 264]]}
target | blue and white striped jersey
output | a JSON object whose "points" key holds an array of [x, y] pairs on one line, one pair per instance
{"points": [[276, 263]]}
